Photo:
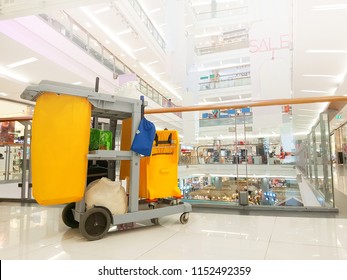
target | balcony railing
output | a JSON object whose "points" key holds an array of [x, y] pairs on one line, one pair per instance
{"points": [[148, 23], [97, 50], [219, 14], [238, 43], [227, 81]]}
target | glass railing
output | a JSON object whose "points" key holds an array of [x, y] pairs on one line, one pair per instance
{"points": [[275, 158], [226, 82], [147, 22], [83, 39], [211, 121], [151, 93]]}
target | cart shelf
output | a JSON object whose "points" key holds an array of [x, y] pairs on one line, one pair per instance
{"points": [[109, 155]]}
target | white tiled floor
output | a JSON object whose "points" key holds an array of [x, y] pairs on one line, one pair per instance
{"points": [[36, 232]]}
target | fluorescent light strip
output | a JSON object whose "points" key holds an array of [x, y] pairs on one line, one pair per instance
{"points": [[164, 84], [310, 110], [315, 91], [154, 10], [326, 51], [329, 7], [153, 62], [140, 49], [305, 116], [126, 31], [222, 67], [207, 35], [108, 32], [13, 75], [226, 101], [22, 62], [102, 10], [320, 76]]}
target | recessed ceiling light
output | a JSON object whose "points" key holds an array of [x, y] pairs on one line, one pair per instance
{"points": [[22, 62], [3, 94], [77, 83]]}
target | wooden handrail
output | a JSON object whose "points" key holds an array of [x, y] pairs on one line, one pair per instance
{"points": [[263, 103], [19, 118]]}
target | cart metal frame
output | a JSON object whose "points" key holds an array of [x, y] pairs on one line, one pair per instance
{"points": [[113, 108]]}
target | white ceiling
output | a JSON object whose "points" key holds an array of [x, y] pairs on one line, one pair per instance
{"points": [[314, 74]]}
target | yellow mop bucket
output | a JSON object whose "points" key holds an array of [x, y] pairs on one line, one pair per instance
{"points": [[159, 172]]}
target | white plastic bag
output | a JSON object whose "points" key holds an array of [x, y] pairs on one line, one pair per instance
{"points": [[107, 193]]}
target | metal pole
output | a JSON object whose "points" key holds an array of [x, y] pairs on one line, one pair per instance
{"points": [[24, 168]]}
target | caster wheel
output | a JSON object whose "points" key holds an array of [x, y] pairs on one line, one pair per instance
{"points": [[68, 215], [95, 223], [151, 206], [172, 202], [155, 221], [184, 218]]}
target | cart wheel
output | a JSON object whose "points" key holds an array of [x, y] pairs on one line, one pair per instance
{"points": [[155, 221], [95, 223], [151, 206], [68, 217], [184, 218]]}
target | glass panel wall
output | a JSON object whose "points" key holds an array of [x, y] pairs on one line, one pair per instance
{"points": [[276, 168], [339, 156], [14, 159], [315, 161]]}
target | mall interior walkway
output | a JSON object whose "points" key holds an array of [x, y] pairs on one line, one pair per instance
{"points": [[34, 232]]}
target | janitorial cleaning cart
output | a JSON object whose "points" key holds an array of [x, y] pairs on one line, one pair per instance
{"points": [[60, 154]]}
